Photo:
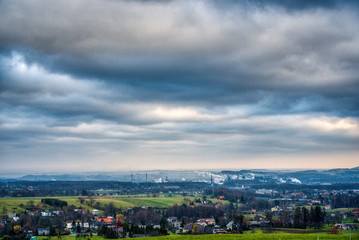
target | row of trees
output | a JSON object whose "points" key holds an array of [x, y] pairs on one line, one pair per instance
{"points": [[54, 202], [300, 218]]}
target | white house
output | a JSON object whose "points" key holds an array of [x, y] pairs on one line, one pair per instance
{"points": [[176, 224], [69, 225], [229, 225], [95, 212], [46, 214], [11, 214], [43, 231]]}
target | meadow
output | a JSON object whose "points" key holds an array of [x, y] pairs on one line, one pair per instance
{"points": [[119, 201], [246, 236]]}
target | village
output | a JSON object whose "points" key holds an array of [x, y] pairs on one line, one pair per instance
{"points": [[213, 211]]}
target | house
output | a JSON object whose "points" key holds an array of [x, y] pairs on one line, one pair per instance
{"points": [[83, 211], [328, 207], [172, 219], [81, 224], [195, 227], [107, 221], [85, 225], [43, 231], [46, 214], [229, 226], [95, 212], [343, 226], [33, 213], [28, 233], [69, 225], [217, 230], [209, 221], [11, 215], [58, 212], [276, 209], [188, 227], [174, 222], [141, 226]]}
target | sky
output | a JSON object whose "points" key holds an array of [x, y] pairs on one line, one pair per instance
{"points": [[105, 85]]}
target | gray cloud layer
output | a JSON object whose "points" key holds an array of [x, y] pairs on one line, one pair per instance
{"points": [[156, 81]]}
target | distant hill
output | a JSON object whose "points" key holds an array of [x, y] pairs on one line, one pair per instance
{"points": [[331, 176], [339, 175]]}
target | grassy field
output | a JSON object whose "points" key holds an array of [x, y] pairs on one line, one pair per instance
{"points": [[119, 201], [272, 236], [248, 236]]}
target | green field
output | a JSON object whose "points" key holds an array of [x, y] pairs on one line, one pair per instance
{"points": [[248, 236], [272, 236], [123, 201]]}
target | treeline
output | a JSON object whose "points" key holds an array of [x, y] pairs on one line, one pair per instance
{"points": [[75, 188], [54, 202], [300, 218], [234, 196], [345, 201], [195, 211]]}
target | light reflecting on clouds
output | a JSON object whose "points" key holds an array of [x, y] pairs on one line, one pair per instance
{"points": [[178, 85]]}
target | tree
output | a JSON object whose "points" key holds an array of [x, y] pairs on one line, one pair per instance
{"points": [[91, 200], [30, 203], [17, 229], [269, 216], [4, 210], [305, 214], [195, 228], [298, 217], [163, 222], [110, 209], [78, 226], [81, 199], [317, 217], [121, 217]]}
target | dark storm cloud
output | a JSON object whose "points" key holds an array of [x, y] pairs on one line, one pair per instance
{"points": [[178, 76], [192, 51]]}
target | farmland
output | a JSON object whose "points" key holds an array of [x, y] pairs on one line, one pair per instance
{"points": [[247, 236], [179, 214], [126, 201], [283, 236]]}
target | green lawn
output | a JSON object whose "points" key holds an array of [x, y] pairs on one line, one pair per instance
{"points": [[248, 236], [340, 209], [272, 236]]}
